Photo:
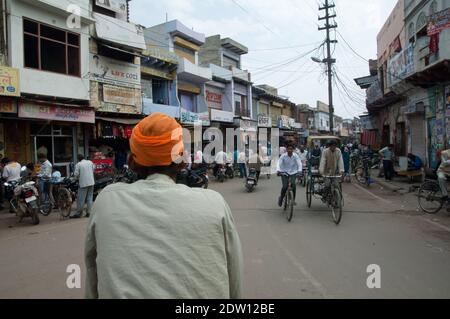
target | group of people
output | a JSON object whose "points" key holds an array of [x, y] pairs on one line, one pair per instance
{"points": [[45, 174], [291, 164]]}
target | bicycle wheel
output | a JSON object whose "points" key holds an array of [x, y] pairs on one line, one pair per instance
{"points": [[309, 189], [285, 202], [64, 202], [430, 197], [336, 206], [290, 206]]}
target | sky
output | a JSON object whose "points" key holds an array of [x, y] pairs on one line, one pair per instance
{"points": [[282, 36]]}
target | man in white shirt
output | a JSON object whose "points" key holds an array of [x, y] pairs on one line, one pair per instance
{"points": [[11, 170], [84, 171], [288, 167], [44, 175]]}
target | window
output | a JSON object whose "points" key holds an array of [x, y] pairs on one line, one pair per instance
{"points": [[104, 11], [188, 101], [421, 22], [50, 49]]}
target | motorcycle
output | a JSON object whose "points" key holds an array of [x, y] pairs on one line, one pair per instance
{"points": [[229, 170], [9, 195], [221, 172], [186, 177], [26, 198], [252, 180], [126, 176]]}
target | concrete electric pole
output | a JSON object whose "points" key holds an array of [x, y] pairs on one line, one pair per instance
{"points": [[329, 60]]}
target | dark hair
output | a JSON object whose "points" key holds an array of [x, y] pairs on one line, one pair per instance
{"points": [[5, 161], [80, 157], [290, 145], [332, 143], [30, 166], [143, 172]]}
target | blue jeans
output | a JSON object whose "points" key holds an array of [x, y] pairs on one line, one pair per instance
{"points": [[243, 170], [85, 196], [44, 190]]}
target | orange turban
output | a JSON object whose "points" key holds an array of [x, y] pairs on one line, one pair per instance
{"points": [[157, 140]]}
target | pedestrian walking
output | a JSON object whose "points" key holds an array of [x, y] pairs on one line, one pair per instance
{"points": [[84, 171], [388, 156], [158, 239]]}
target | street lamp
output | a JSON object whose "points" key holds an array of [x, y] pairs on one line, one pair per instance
{"points": [[329, 62]]}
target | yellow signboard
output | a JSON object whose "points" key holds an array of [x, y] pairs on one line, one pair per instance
{"points": [[9, 81]]}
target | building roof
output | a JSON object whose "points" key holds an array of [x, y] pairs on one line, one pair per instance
{"points": [[175, 27], [234, 46], [366, 81]]}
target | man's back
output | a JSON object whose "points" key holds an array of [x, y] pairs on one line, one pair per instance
{"points": [[12, 171], [156, 239], [84, 170]]}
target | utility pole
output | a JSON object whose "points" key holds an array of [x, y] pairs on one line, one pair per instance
{"points": [[329, 60]]}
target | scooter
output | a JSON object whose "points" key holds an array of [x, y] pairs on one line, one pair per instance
{"points": [[252, 180], [221, 173], [26, 198]]}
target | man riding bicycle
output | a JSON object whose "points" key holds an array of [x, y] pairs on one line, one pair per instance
{"points": [[332, 162], [288, 167]]}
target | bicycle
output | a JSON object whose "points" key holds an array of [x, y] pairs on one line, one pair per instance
{"points": [[289, 201], [430, 197], [333, 197], [362, 173]]}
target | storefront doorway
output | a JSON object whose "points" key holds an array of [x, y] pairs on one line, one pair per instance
{"points": [[57, 142]]}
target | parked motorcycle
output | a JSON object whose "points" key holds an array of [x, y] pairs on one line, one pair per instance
{"points": [[187, 178], [252, 180], [126, 176], [25, 201]]}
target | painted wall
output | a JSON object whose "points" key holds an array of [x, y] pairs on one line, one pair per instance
{"points": [[42, 82]]}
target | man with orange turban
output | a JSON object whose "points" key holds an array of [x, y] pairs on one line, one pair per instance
{"points": [[157, 239]]}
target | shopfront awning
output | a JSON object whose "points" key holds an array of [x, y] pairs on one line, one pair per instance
{"points": [[119, 120]]}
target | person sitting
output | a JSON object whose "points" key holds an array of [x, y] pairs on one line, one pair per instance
{"points": [[414, 162]]}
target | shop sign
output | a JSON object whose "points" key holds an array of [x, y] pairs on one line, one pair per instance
{"points": [[246, 125], [414, 108], [297, 126], [119, 31], [8, 106], [367, 123], [187, 117], [119, 6], [401, 65], [56, 113], [214, 98], [9, 81], [114, 72], [119, 95], [438, 22], [283, 122], [264, 121], [222, 116]]}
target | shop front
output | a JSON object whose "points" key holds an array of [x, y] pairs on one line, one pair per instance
{"points": [[416, 130], [58, 132]]}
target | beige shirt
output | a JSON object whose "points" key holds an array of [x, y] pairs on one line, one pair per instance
{"points": [[445, 162], [331, 163], [156, 239]]}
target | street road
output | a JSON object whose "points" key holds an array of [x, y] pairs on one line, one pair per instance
{"points": [[307, 258]]}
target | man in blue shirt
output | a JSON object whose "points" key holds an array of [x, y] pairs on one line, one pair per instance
{"points": [[288, 167], [388, 156]]}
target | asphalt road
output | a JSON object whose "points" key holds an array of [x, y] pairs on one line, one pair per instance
{"points": [[307, 258]]}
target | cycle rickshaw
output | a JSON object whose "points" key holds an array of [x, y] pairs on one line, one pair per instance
{"points": [[327, 188]]}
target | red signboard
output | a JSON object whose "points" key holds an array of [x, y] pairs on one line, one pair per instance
{"points": [[213, 97], [438, 22]]}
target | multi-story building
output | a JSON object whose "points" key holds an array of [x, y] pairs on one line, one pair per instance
{"points": [[191, 76], [407, 103], [322, 118], [229, 95], [46, 109]]}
